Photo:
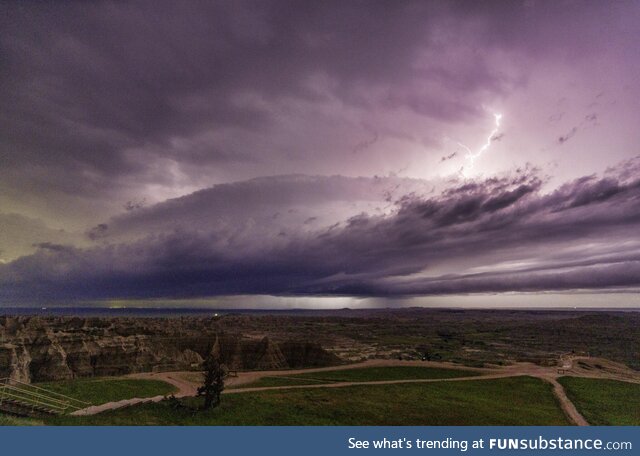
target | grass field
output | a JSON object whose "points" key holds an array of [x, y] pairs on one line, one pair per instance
{"points": [[504, 401], [604, 402], [8, 420], [277, 381], [367, 374], [370, 374], [100, 390]]}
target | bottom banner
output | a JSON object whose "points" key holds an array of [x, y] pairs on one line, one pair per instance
{"points": [[174, 441]]}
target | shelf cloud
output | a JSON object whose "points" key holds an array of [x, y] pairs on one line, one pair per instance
{"points": [[493, 235]]}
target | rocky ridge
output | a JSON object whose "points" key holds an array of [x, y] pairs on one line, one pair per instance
{"points": [[54, 348]]}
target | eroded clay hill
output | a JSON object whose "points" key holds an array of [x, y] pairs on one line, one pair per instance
{"points": [[55, 348]]}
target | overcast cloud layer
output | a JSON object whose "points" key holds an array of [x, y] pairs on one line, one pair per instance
{"points": [[194, 149]]}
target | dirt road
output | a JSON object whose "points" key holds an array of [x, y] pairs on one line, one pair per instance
{"points": [[580, 366], [567, 406], [249, 377]]}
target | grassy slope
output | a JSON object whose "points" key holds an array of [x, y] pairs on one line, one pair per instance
{"points": [[366, 374], [100, 390], [604, 402], [8, 420], [481, 402]]}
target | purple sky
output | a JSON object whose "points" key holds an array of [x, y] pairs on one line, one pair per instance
{"points": [[322, 153]]}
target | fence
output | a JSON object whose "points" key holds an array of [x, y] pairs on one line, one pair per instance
{"points": [[27, 399]]}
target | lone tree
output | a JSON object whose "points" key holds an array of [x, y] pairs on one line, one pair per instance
{"points": [[214, 374]]}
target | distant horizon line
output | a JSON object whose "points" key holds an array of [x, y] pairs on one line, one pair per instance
{"points": [[4, 309]]}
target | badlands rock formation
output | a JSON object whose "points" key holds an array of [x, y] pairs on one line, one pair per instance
{"points": [[54, 348]]}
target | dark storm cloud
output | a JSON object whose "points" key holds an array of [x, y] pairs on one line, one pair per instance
{"points": [[100, 90], [83, 83], [569, 29], [496, 235]]}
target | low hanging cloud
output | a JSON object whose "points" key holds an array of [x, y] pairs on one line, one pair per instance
{"points": [[495, 235]]}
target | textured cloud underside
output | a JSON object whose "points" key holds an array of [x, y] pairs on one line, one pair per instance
{"points": [[494, 235]]}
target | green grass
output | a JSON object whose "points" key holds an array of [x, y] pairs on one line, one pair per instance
{"points": [[8, 420], [506, 401], [101, 390], [604, 402], [277, 381], [366, 374], [371, 374]]}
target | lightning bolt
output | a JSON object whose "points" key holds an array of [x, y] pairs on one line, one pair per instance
{"points": [[471, 156]]}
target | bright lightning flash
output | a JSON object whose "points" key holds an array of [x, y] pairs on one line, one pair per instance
{"points": [[471, 156]]}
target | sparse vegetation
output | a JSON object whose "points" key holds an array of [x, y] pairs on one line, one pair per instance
{"points": [[471, 337], [604, 402]]}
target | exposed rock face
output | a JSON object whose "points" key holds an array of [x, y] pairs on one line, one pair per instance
{"points": [[55, 348]]}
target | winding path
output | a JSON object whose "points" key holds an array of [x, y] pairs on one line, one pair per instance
{"points": [[186, 388]]}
